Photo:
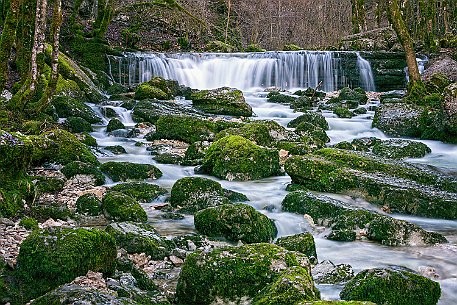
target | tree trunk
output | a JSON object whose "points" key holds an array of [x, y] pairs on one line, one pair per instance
{"points": [[7, 40], [38, 40], [396, 19], [229, 11], [56, 24]]}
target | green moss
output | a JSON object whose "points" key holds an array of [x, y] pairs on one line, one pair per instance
{"points": [[143, 192], [89, 140], [254, 48], [291, 47], [117, 149], [219, 46], [13, 194], [89, 204], [387, 286], [79, 168], [236, 158], [77, 125], [16, 152], [123, 171], [303, 243], [146, 91], [401, 149], [70, 107], [29, 223], [224, 100], [51, 257], [120, 207], [49, 184], [292, 286], [224, 273], [276, 97], [184, 128], [314, 118], [357, 95], [343, 113], [235, 222], [139, 238], [114, 124]]}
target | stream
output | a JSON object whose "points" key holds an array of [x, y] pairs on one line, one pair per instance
{"points": [[269, 193]]}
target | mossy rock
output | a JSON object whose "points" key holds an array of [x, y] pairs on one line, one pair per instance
{"points": [[61, 147], [117, 89], [401, 149], [29, 223], [123, 171], [327, 272], [399, 119], [146, 91], [343, 113], [13, 194], [236, 158], [387, 286], [195, 153], [359, 144], [89, 204], [76, 125], [358, 95], [262, 132], [279, 98], [114, 124], [16, 152], [314, 118], [70, 107], [140, 238], [293, 285], [120, 207], [49, 184], [152, 110], [117, 149], [54, 256], [360, 110], [89, 140], [184, 128], [235, 222], [192, 194], [223, 273], [80, 168], [303, 243], [316, 133], [223, 100], [141, 191]]}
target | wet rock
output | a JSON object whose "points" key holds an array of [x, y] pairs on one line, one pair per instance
{"points": [[314, 118], [76, 124], [123, 171], [150, 110], [399, 119], [120, 207], [117, 150], [141, 191], [401, 149], [70, 107], [236, 158], [140, 238], [114, 124], [327, 272], [303, 243], [342, 112], [89, 204], [223, 273], [385, 286], [341, 217], [195, 153], [235, 222], [80, 168], [222, 101]]}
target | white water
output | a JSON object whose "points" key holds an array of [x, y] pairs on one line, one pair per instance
{"points": [[244, 71]]}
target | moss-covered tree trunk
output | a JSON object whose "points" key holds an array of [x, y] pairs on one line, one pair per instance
{"points": [[38, 39], [396, 19], [358, 16], [7, 41]]}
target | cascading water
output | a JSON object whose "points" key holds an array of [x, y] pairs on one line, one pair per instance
{"points": [[366, 73], [244, 71]]}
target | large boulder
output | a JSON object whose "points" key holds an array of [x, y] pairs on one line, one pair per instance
{"points": [[399, 119], [236, 158], [54, 256], [157, 88], [139, 238], [120, 207], [192, 194], [388, 286], [222, 101], [123, 171], [114, 124], [223, 274], [16, 155], [80, 168], [151, 110], [235, 222], [141, 191], [401, 149], [314, 118], [70, 107], [303, 243], [444, 65]]}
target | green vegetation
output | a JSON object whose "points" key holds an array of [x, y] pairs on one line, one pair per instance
{"points": [[89, 204], [120, 207], [123, 171], [141, 191]]}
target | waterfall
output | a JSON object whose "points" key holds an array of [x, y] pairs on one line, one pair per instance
{"points": [[366, 73], [286, 70]]}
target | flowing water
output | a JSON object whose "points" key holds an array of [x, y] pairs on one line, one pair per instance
{"points": [[266, 195]]}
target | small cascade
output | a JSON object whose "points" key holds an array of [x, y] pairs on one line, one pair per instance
{"points": [[366, 73], [286, 70], [124, 115]]}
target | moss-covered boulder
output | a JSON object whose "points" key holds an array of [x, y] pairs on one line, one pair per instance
{"points": [[123, 171], [114, 124], [303, 243], [235, 222], [70, 107], [359, 144], [116, 149], [294, 285], [141, 191], [314, 118], [262, 132], [51, 257], [327, 272], [184, 128], [146, 91], [342, 112], [16, 155], [89, 204], [192, 194], [151, 110], [342, 218], [61, 147], [357, 95], [388, 286], [236, 158], [75, 124], [157, 88], [401, 149], [222, 101], [279, 98], [399, 119], [28, 223], [139, 238], [120, 207], [223, 274], [80, 168]]}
